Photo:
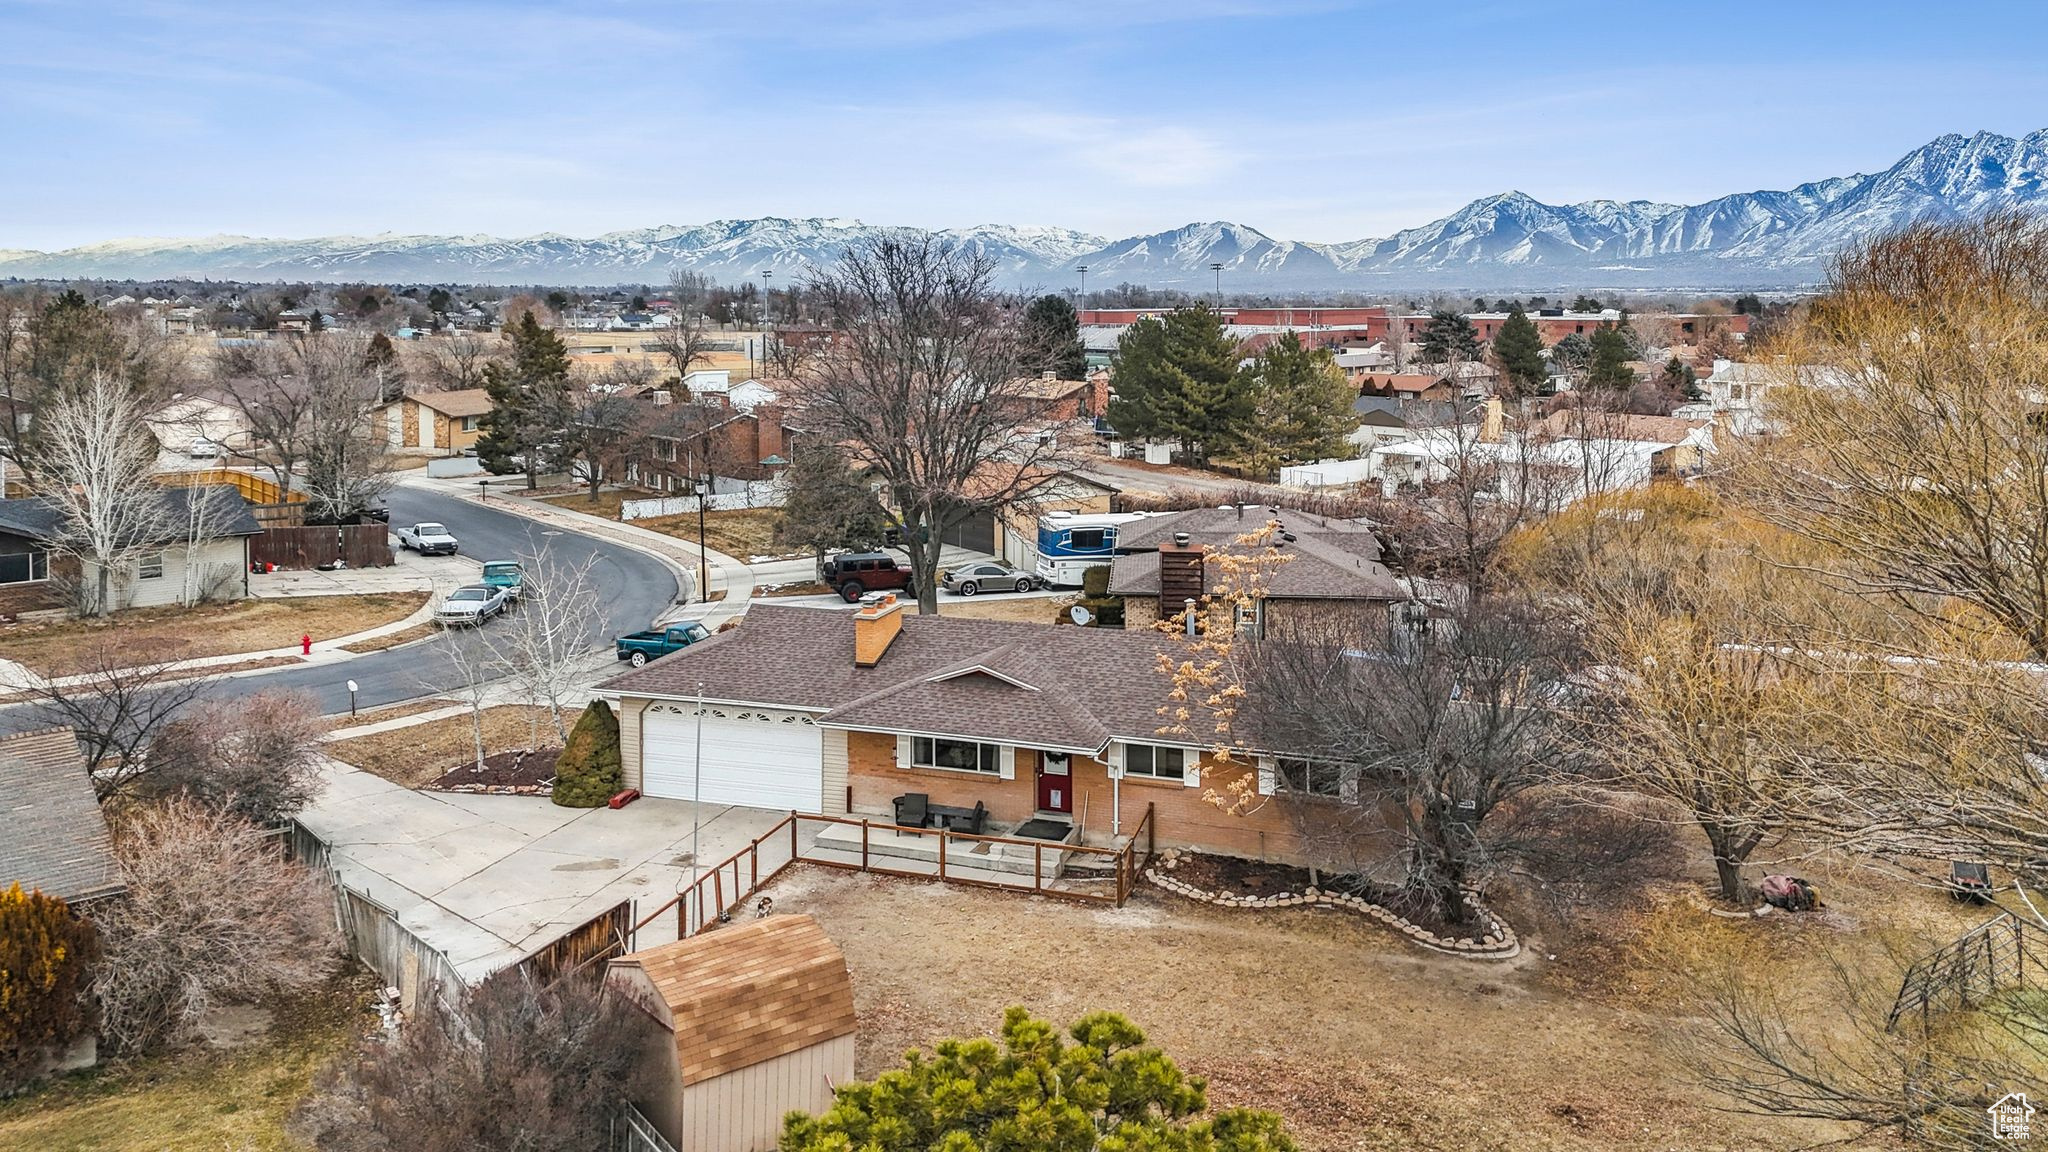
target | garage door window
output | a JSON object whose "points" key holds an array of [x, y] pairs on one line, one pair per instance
{"points": [[954, 755]]}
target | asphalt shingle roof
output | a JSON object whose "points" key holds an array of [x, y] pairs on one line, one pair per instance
{"points": [[993, 680], [1330, 558], [224, 513], [52, 835]]}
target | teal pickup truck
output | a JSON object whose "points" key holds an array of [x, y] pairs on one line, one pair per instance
{"points": [[506, 574], [640, 647]]}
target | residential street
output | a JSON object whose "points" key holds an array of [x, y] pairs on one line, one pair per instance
{"points": [[635, 588]]}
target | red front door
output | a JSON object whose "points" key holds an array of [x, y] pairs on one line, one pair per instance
{"points": [[1055, 783]]}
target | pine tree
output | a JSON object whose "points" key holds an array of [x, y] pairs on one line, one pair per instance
{"points": [[1300, 406], [530, 404], [1449, 337], [1097, 1088], [1572, 354], [1610, 360], [1052, 337], [1177, 379], [588, 772], [1587, 304], [1518, 352], [826, 505], [1682, 380]]}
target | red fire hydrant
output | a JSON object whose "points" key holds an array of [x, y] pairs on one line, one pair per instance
{"points": [[306, 644]]}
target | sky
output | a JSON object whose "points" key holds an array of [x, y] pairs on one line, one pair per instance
{"points": [[1306, 120]]}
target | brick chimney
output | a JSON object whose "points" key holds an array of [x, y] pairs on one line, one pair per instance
{"points": [[874, 627], [1181, 576]]}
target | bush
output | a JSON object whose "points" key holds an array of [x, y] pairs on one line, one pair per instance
{"points": [[46, 962], [522, 1066], [1095, 581], [212, 914], [589, 771], [257, 756]]}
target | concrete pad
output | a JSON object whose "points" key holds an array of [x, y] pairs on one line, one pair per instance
{"points": [[490, 879]]}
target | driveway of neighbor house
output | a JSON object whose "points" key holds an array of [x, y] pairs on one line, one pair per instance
{"points": [[489, 879]]}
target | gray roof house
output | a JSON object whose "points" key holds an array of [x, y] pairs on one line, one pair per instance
{"points": [[36, 576], [52, 834]]}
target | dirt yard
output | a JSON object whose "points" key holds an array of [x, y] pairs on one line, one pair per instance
{"points": [[418, 754], [1029, 609], [1360, 1041], [144, 634]]}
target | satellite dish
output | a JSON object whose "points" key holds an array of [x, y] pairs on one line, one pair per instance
{"points": [[1080, 615]]}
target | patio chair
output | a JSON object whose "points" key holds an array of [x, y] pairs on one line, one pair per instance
{"points": [[973, 821], [913, 810], [1969, 880]]}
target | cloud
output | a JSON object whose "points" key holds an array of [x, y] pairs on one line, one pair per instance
{"points": [[1133, 154]]}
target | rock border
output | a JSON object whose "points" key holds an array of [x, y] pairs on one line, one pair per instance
{"points": [[1499, 942]]}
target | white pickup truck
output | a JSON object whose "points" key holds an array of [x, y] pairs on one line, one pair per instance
{"points": [[427, 539]]}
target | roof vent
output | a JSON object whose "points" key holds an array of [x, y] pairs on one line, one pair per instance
{"points": [[1181, 539]]}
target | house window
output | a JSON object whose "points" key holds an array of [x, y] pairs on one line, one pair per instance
{"points": [[24, 567], [151, 567], [955, 755], [1313, 777], [469, 423], [1155, 761]]}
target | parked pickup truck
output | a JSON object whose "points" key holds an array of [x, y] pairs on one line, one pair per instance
{"points": [[427, 539], [506, 574], [640, 647]]}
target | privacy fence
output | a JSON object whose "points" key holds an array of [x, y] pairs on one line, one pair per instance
{"points": [[312, 546]]}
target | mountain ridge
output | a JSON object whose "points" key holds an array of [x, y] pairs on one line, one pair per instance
{"points": [[1764, 238]]}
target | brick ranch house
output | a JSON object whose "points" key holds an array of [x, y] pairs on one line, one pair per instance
{"points": [[837, 713]]}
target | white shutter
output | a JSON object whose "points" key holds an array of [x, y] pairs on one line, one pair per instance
{"points": [[1006, 762], [903, 751], [1191, 761], [1268, 776]]}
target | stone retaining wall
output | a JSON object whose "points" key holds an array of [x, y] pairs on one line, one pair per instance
{"points": [[1498, 942]]}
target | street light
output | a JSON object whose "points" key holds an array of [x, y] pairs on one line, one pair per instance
{"points": [[1217, 268], [1082, 297], [703, 560], [351, 698]]}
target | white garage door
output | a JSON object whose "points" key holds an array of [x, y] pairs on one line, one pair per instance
{"points": [[753, 757]]}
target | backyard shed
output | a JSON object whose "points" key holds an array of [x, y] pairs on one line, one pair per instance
{"points": [[755, 1022]]}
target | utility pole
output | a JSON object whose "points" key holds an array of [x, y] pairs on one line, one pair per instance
{"points": [[1081, 299], [1217, 268]]}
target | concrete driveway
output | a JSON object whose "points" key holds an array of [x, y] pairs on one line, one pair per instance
{"points": [[489, 879]]}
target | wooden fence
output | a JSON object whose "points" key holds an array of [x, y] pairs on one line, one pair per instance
{"points": [[1991, 958], [374, 935], [361, 545], [602, 937], [255, 489], [726, 887]]}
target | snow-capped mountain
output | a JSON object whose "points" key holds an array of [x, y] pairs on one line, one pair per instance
{"points": [[1508, 241]]}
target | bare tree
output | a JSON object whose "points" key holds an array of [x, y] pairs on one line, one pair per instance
{"points": [[520, 1065], [117, 697], [457, 361], [255, 756], [476, 661], [610, 423], [212, 914], [552, 631], [686, 342], [921, 381], [1408, 740], [309, 402], [97, 459]]}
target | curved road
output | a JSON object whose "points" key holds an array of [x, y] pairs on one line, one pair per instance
{"points": [[633, 586]]}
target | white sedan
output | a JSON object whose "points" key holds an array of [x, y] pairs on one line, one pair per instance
{"points": [[472, 604]]}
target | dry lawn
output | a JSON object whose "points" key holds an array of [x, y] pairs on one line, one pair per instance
{"points": [[740, 532], [1029, 609], [417, 754], [145, 634], [388, 712], [1362, 1042], [240, 1099], [420, 631]]}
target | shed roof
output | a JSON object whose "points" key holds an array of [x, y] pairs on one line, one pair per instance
{"points": [[52, 834], [738, 997]]}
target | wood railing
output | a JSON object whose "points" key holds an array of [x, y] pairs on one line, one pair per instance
{"points": [[724, 888]]}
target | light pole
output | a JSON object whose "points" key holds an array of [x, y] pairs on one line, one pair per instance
{"points": [[1082, 298], [696, 804], [703, 498], [767, 314], [1217, 268]]}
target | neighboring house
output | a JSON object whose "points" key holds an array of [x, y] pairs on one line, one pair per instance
{"points": [[53, 837], [705, 437], [1332, 570], [433, 423], [752, 1023], [830, 712], [1047, 399], [199, 425], [1009, 528], [35, 576], [295, 320]]}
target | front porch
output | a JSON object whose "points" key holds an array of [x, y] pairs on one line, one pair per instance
{"points": [[1032, 854]]}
